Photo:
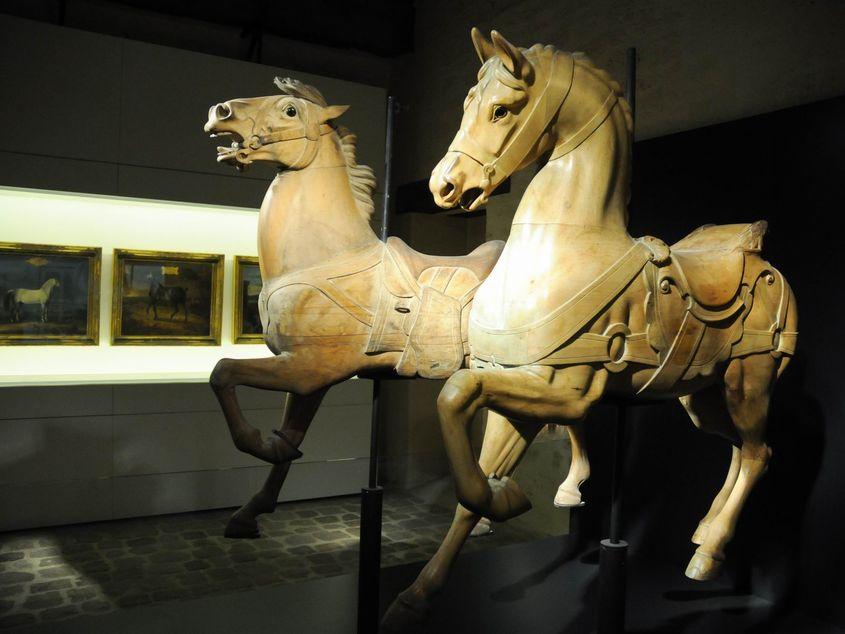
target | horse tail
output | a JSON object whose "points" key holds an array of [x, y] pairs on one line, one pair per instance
{"points": [[8, 299]]}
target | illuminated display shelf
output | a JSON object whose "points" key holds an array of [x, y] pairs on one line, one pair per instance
{"points": [[111, 222]]}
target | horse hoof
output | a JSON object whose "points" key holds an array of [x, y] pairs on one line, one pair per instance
{"points": [[703, 567], [482, 528], [565, 498], [240, 528], [700, 534], [405, 615], [508, 500]]}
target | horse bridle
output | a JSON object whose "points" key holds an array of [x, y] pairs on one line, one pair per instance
{"points": [[496, 168], [310, 131]]}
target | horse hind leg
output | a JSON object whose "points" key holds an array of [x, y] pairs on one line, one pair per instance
{"points": [[709, 412], [505, 442], [569, 492], [298, 413], [748, 384]]}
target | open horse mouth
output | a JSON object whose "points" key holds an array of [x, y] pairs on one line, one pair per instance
{"points": [[471, 199], [226, 153]]}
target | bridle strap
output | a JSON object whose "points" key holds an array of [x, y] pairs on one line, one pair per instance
{"points": [[546, 107], [587, 129], [309, 132]]}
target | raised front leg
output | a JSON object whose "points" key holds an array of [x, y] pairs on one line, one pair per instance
{"points": [[298, 413], [504, 445], [279, 373], [536, 394]]}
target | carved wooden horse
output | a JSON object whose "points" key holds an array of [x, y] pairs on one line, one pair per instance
{"points": [[336, 301], [576, 309]]}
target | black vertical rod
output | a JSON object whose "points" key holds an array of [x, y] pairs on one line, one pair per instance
{"points": [[369, 550], [613, 554], [618, 465]]}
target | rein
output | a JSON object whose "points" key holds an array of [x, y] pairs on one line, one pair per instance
{"points": [[310, 132]]}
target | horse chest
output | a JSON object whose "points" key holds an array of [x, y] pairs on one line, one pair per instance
{"points": [[541, 268]]}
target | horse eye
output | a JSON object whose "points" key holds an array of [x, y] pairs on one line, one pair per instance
{"points": [[499, 112], [290, 111]]}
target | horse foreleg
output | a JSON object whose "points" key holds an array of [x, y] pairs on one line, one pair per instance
{"points": [[298, 413], [504, 444], [569, 492], [278, 373]]}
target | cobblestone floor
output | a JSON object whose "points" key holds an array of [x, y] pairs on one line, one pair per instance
{"points": [[58, 573]]}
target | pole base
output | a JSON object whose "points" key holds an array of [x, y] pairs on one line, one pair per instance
{"points": [[613, 559], [369, 560]]}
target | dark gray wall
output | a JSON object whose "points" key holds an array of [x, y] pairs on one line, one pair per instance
{"points": [[98, 114]]}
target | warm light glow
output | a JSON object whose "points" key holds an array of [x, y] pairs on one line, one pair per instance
{"points": [[112, 222]]}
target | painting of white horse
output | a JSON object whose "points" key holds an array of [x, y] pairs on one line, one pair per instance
{"points": [[49, 294], [17, 297]]}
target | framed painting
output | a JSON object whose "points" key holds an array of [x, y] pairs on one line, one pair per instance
{"points": [[246, 321], [164, 298], [50, 294]]}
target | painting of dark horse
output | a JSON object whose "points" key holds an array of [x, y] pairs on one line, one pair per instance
{"points": [[246, 321], [49, 294], [166, 298]]}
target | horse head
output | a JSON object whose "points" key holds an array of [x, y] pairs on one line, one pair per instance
{"points": [[50, 284], [283, 129], [514, 115]]}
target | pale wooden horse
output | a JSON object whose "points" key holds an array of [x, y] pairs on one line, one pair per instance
{"points": [[576, 309], [336, 301]]}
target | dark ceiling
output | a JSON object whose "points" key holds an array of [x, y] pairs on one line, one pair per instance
{"points": [[380, 27]]}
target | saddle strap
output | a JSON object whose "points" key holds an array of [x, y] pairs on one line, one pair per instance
{"points": [[320, 278], [565, 322]]}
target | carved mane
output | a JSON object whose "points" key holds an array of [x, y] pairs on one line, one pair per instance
{"points": [[362, 179]]}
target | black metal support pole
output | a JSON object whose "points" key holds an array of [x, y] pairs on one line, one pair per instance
{"points": [[613, 556], [369, 550]]}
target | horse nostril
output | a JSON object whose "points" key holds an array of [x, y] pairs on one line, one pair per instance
{"points": [[447, 190], [222, 111]]}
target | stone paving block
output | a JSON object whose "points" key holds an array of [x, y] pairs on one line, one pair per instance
{"points": [[81, 595], [45, 600], [17, 620], [97, 606], [15, 577], [55, 584], [11, 555], [55, 614]]}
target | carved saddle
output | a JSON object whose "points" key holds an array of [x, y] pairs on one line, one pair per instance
{"points": [[703, 283], [413, 303], [423, 305]]}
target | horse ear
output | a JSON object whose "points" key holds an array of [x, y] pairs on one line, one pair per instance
{"points": [[482, 45], [332, 112], [511, 56]]}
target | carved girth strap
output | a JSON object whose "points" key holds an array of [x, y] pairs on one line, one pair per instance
{"points": [[332, 279]]}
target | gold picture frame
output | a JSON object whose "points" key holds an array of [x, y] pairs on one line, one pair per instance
{"points": [[186, 287], [246, 324], [64, 308]]}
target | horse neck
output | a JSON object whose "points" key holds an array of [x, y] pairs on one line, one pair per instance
{"points": [[309, 216], [588, 186]]}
